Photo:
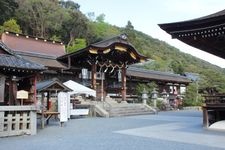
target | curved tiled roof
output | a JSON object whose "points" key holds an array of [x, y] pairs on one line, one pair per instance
{"points": [[12, 61], [156, 75], [22, 43], [116, 50]]}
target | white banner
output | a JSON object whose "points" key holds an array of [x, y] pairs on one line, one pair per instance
{"points": [[63, 106]]}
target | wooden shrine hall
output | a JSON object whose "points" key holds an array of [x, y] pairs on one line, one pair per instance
{"points": [[108, 58], [208, 34]]}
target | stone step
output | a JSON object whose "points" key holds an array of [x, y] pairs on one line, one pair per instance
{"points": [[129, 109], [132, 114]]}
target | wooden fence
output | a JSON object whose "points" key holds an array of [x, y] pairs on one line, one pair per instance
{"points": [[17, 120]]}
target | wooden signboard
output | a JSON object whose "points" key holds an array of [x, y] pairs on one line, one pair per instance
{"points": [[22, 94]]}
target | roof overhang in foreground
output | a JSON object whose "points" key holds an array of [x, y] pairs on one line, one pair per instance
{"points": [[205, 33]]}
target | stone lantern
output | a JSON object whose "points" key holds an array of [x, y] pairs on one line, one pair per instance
{"points": [[154, 96], [144, 96]]}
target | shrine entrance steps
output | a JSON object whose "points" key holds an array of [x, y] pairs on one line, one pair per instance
{"points": [[111, 108]]}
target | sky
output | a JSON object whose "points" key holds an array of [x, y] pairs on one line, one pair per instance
{"points": [[145, 15]]}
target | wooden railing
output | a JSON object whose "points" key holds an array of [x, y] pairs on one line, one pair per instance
{"points": [[17, 120], [215, 99], [213, 109]]}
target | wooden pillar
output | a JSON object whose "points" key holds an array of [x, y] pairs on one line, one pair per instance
{"points": [[124, 80], [93, 76], [12, 93], [48, 98], [69, 62], [35, 89], [42, 111], [205, 117]]}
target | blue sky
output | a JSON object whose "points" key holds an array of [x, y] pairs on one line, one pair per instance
{"points": [[145, 15]]}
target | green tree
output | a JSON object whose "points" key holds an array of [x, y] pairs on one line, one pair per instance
{"points": [[100, 18], [177, 67], [40, 16], [192, 97], [74, 27], [11, 25], [7, 9], [129, 30], [77, 44]]}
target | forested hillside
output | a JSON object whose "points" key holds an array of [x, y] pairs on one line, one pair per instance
{"points": [[63, 21]]}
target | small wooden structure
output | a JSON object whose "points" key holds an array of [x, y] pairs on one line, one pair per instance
{"points": [[49, 87], [17, 74]]}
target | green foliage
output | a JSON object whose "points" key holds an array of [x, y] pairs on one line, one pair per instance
{"points": [[1, 29], [77, 44], [100, 18], [130, 32], [12, 26], [145, 87], [7, 9], [40, 16], [98, 31], [55, 38], [75, 26], [192, 97], [177, 67]]}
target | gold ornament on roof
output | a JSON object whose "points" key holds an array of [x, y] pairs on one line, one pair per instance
{"points": [[121, 48]]}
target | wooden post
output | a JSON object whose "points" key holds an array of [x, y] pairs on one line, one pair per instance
{"points": [[35, 91], [124, 90], [102, 87], [69, 62], [48, 107], [12, 93], [42, 111], [93, 76], [205, 117]]}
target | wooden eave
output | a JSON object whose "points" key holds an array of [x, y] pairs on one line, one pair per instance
{"points": [[138, 73], [205, 33], [51, 85], [114, 51]]}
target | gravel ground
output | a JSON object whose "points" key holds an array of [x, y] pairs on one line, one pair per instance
{"points": [[173, 130]]}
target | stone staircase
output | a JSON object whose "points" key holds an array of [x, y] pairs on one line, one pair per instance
{"points": [[116, 109], [130, 110]]}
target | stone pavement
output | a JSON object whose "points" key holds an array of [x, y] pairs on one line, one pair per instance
{"points": [[174, 130]]}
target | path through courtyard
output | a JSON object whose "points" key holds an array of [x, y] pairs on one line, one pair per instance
{"points": [[174, 130]]}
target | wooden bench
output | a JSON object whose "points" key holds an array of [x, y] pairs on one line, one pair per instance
{"points": [[46, 115]]}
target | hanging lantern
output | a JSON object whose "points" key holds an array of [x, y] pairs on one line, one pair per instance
{"points": [[119, 76], [84, 73]]}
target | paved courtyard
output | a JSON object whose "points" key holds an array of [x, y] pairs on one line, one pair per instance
{"points": [[175, 130]]}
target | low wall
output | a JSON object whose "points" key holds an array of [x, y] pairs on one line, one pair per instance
{"points": [[18, 120]]}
